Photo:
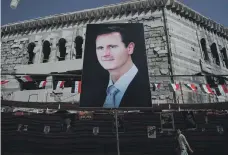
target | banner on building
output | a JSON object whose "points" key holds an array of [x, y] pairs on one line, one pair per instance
{"points": [[115, 72], [189, 119], [220, 129], [85, 115], [151, 131], [167, 121], [47, 129], [95, 130]]}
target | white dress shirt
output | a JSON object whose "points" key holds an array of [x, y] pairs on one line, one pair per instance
{"points": [[121, 84]]}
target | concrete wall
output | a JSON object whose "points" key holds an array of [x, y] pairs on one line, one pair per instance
{"points": [[13, 57], [188, 58]]}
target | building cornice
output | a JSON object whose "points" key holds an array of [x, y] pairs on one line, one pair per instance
{"points": [[116, 9]]}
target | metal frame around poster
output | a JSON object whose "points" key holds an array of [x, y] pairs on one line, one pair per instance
{"points": [[173, 125], [117, 133]]}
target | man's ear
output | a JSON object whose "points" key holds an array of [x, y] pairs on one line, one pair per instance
{"points": [[130, 48]]}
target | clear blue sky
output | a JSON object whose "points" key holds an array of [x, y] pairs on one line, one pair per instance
{"points": [[29, 9]]}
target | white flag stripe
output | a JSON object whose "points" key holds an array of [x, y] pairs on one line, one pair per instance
{"points": [[175, 87], [221, 90], [206, 89], [76, 87], [42, 84], [60, 84]]}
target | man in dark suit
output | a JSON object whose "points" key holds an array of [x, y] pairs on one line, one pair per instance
{"points": [[126, 86]]}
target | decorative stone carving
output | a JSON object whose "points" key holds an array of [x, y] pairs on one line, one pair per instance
{"points": [[13, 53], [121, 8]]}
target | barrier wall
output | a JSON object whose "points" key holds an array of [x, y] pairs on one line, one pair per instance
{"points": [[133, 135]]}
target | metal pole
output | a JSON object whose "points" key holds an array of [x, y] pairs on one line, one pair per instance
{"points": [[117, 133], [169, 51], [182, 95]]}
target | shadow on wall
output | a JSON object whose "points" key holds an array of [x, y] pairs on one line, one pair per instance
{"points": [[31, 47], [78, 46], [46, 51], [62, 49], [215, 55]]}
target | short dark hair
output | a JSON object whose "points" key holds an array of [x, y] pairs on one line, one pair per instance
{"points": [[178, 130], [110, 29]]}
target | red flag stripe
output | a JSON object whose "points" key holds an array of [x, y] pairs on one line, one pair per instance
{"points": [[28, 78], [79, 86], [4, 82], [209, 89], [42, 84], [60, 84], [225, 88]]}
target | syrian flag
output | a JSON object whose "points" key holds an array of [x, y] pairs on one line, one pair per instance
{"points": [[76, 88], [26, 78], [174, 87], [60, 84], [191, 87], [42, 84], [4, 82], [156, 86], [223, 89], [207, 89]]}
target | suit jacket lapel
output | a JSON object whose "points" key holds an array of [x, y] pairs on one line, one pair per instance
{"points": [[129, 93]]}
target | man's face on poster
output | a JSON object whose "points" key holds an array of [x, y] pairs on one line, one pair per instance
{"points": [[111, 52]]}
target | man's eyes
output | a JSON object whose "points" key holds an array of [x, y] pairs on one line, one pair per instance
{"points": [[113, 46], [100, 48], [110, 46]]}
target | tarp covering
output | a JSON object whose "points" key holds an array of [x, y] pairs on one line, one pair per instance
{"points": [[25, 134]]}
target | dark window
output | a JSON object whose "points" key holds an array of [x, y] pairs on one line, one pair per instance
{"points": [[62, 49], [46, 51], [224, 57], [215, 55], [204, 49], [78, 47], [31, 47]]}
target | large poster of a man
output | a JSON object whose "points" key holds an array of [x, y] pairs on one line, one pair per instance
{"points": [[115, 72]]}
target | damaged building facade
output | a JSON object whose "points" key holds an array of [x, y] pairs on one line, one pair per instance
{"points": [[179, 41]]}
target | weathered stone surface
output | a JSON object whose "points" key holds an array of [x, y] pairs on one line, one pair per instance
{"points": [[184, 43], [164, 71]]}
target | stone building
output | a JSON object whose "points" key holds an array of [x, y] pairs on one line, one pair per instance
{"points": [[178, 41]]}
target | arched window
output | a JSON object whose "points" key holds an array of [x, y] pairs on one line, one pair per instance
{"points": [[215, 55], [62, 49], [224, 57], [78, 46], [204, 49], [46, 51], [30, 48]]}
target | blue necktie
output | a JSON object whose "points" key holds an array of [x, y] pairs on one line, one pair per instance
{"points": [[110, 98]]}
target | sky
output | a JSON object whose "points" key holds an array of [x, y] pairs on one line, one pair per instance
{"points": [[29, 9]]}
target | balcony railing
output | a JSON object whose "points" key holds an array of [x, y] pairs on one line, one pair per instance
{"points": [[46, 68]]}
